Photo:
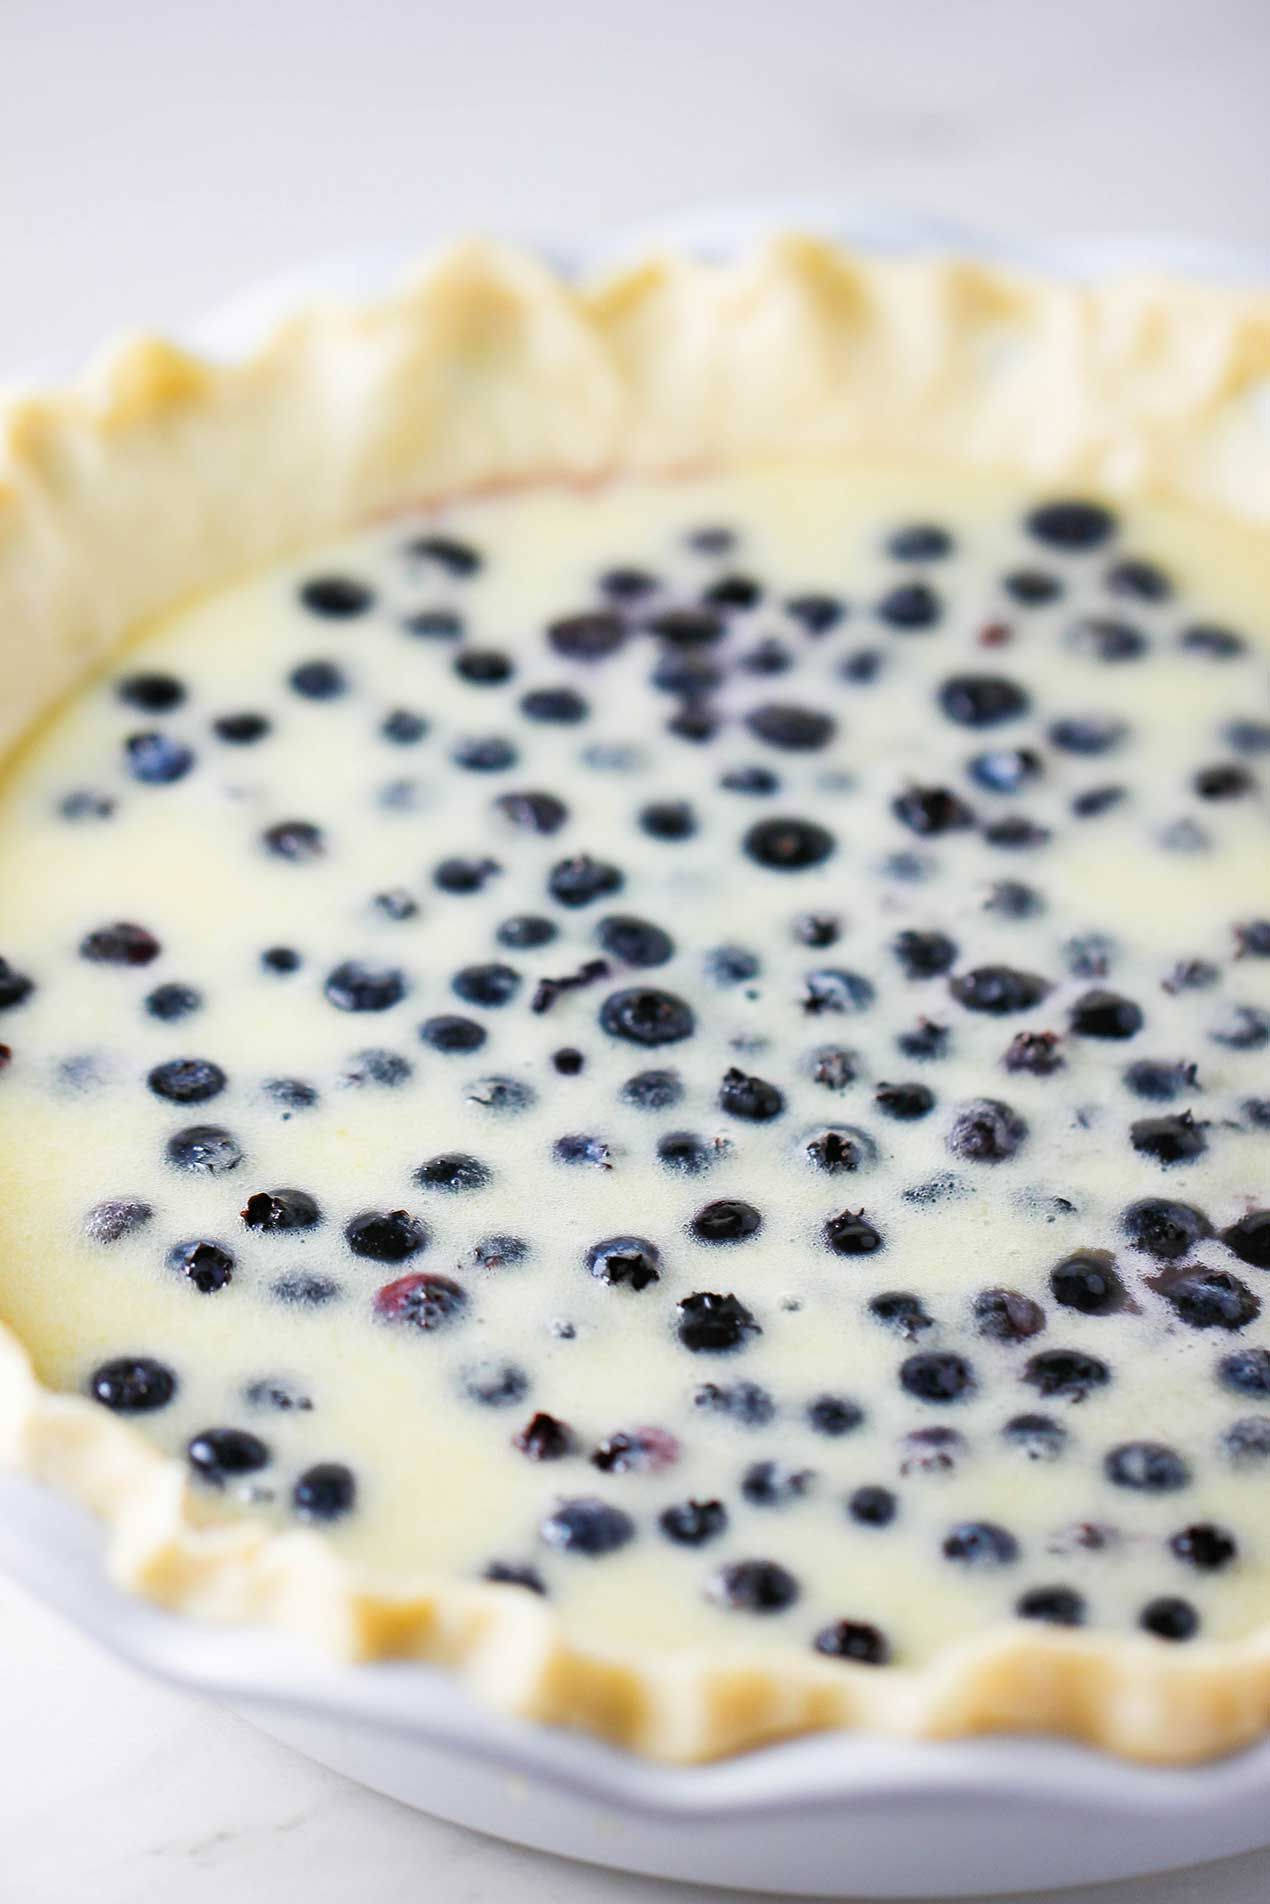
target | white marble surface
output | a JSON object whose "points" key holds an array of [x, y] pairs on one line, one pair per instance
{"points": [[154, 156]]}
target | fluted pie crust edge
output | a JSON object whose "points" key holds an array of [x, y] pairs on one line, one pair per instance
{"points": [[163, 475]]}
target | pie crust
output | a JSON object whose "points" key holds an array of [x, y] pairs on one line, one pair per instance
{"points": [[163, 475]]}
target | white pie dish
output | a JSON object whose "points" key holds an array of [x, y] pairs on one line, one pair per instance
{"points": [[821, 1815]]}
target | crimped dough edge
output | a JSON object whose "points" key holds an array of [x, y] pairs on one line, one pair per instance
{"points": [[162, 475]]}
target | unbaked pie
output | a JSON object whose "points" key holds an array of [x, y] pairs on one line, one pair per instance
{"points": [[637, 1016]]}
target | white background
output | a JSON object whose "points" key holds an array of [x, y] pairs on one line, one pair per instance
{"points": [[153, 158]]}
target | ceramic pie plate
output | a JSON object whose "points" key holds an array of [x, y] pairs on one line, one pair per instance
{"points": [[828, 1815]]}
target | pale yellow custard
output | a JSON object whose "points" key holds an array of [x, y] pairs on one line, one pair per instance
{"points": [[1136, 1496]]}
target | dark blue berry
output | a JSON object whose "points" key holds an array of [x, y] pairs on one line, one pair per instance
{"points": [[336, 597], [816, 613], [172, 1002], [1169, 1618], [1147, 1466], [403, 727], [1103, 1014], [448, 1032], [754, 1586], [1005, 769], [459, 875], [16, 987], [324, 1492], [693, 1523], [483, 667], [1032, 588], [386, 1236], [1039, 1437], [1088, 1282], [788, 845], [904, 1101], [1227, 780], [1164, 1229], [1170, 1139], [668, 820], [278, 1212], [587, 1525], [452, 1171], [629, 1261], [580, 880], [753, 1099], [1106, 639], [794, 729], [374, 1065], [986, 1131], [584, 1148], [930, 811], [924, 954], [1056, 1606], [1207, 1298], [686, 1153], [757, 781], [1247, 737], [207, 1148], [1249, 1238], [999, 989], [775, 1483], [1088, 734], [222, 1454], [1071, 525], [119, 944], [117, 1217], [544, 1438], [489, 985], [911, 606], [591, 636], [458, 559], [982, 700], [156, 760], [484, 753], [299, 841], [851, 1234], [901, 1311], [282, 959], [302, 1290], [1203, 1546], [209, 1266], [872, 1506], [980, 1544], [634, 941], [559, 707], [357, 987], [187, 1080], [644, 1016], [1246, 1372], [919, 542], [743, 1402], [936, 1377], [1067, 1372], [714, 1324], [318, 681], [151, 693], [653, 1090], [132, 1385]]}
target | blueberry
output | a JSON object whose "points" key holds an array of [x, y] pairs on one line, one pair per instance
{"points": [[526, 931], [118, 944], [790, 727], [625, 584], [986, 1131], [788, 845], [904, 1101], [668, 820], [434, 624], [578, 881], [567, 1061], [1035, 1052], [636, 1451], [221, 1454], [1031, 588], [1104, 1014], [634, 941], [534, 812], [403, 727], [756, 781], [851, 1234], [374, 1065], [1073, 526], [1228, 780], [728, 1220], [117, 1217], [1247, 737], [653, 1090], [318, 681], [900, 1310], [16, 987], [282, 959], [386, 1236], [83, 803], [999, 989], [1207, 1298], [273, 1212], [924, 954], [816, 613], [1249, 1238], [1203, 1546], [499, 1252], [336, 597], [686, 1153], [750, 1098], [768, 656], [1170, 1139], [688, 627], [1213, 642], [171, 1002], [495, 1384], [982, 700], [490, 985], [501, 1095], [299, 841], [754, 1586], [937, 1377], [1056, 1606], [644, 1016], [629, 1261], [187, 1080], [457, 559], [483, 667], [302, 1290], [583, 1147], [930, 811], [132, 1385], [919, 542], [206, 1148], [862, 666], [980, 1544], [817, 929], [1088, 1282], [277, 1393], [1088, 734], [872, 1506], [1039, 1437], [712, 1324], [209, 1266], [832, 989], [775, 1483], [357, 987], [1005, 769], [693, 1523], [1246, 1029], [587, 1525], [1067, 1372], [591, 636], [1169, 1618], [681, 671], [291, 1094], [452, 1170], [1246, 1443], [156, 760], [544, 1438], [731, 965], [324, 1492], [1159, 1081], [931, 1451], [743, 1402], [694, 721], [1246, 1372], [909, 607], [151, 693], [508, 1573], [833, 1067], [1147, 1466], [424, 1301], [836, 1150], [396, 904], [1164, 1229]]}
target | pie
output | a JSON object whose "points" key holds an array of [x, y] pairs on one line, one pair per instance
{"points": [[636, 992]]}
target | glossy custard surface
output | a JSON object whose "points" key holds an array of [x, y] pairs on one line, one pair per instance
{"points": [[704, 1047]]}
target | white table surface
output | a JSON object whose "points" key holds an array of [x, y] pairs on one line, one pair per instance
{"points": [[156, 155]]}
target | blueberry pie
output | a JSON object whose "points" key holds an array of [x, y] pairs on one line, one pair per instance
{"points": [[635, 984]]}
